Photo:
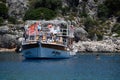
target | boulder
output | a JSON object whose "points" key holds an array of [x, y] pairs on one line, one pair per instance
{"points": [[80, 34], [4, 29], [17, 8], [98, 46], [8, 41]]}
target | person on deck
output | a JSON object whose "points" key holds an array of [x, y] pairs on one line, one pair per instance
{"points": [[41, 35], [25, 34], [50, 33], [26, 27], [49, 37], [39, 27]]}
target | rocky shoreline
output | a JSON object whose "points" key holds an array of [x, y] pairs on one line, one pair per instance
{"points": [[7, 50], [11, 37], [104, 46]]}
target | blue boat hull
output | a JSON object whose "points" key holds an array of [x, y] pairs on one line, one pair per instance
{"points": [[38, 51]]}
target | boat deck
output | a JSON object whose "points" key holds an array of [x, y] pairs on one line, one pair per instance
{"points": [[44, 42]]}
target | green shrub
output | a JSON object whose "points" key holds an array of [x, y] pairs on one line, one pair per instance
{"points": [[73, 3], [116, 29], [118, 19], [89, 22], [103, 11], [50, 4], [109, 8], [98, 33], [40, 13], [65, 10], [4, 1], [70, 17], [85, 0], [84, 14], [3, 10], [95, 30], [1, 20], [113, 6], [93, 27], [12, 20], [96, 0]]}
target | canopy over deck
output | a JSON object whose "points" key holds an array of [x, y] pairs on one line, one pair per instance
{"points": [[56, 22]]}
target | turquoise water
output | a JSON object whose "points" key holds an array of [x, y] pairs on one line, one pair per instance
{"points": [[80, 67]]}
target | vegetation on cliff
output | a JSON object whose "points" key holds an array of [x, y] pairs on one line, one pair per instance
{"points": [[4, 1], [109, 8], [40, 13], [42, 9], [50, 4], [99, 18], [3, 12], [1, 20], [96, 17]]}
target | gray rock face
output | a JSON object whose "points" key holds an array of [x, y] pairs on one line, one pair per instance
{"points": [[100, 1], [9, 35], [4, 29], [17, 8], [8, 41], [80, 34], [90, 6], [98, 46]]}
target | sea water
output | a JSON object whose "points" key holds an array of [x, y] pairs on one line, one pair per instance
{"points": [[80, 67]]}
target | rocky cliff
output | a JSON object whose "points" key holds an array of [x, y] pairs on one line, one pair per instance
{"points": [[98, 46], [83, 14], [17, 8], [9, 35]]}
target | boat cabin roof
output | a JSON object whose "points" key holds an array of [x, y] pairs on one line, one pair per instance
{"points": [[54, 22]]}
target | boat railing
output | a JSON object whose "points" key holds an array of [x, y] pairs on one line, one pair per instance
{"points": [[62, 36]]}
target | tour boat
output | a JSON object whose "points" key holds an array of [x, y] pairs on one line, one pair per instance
{"points": [[48, 39]]}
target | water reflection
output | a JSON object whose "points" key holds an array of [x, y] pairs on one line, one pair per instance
{"points": [[38, 60], [10, 56]]}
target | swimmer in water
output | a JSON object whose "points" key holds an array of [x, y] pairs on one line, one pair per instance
{"points": [[97, 57]]}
